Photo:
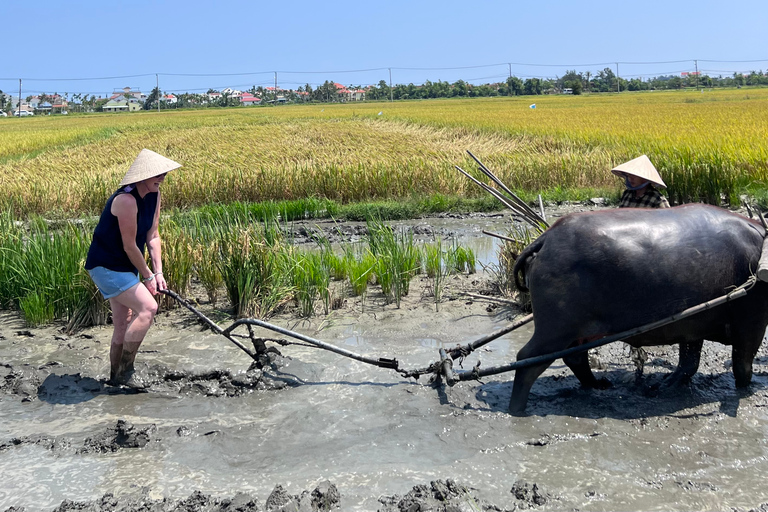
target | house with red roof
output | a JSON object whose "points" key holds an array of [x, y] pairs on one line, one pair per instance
{"points": [[249, 99], [345, 94]]}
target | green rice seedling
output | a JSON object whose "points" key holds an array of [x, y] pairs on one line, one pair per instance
{"points": [[37, 309], [436, 269], [47, 268], [255, 274], [397, 259], [11, 254], [460, 259], [335, 264], [271, 232], [92, 309], [361, 273], [178, 261], [207, 269], [310, 280], [432, 256], [384, 273], [338, 266]]}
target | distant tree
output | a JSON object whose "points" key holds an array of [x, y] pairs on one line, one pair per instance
{"points": [[605, 80], [459, 88], [568, 79], [152, 99], [514, 86], [675, 83], [532, 86], [635, 85], [574, 85]]}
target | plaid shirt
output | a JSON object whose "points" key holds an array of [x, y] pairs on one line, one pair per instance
{"points": [[651, 199]]}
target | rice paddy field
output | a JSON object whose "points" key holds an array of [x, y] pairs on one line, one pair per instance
{"points": [[709, 146], [246, 168]]}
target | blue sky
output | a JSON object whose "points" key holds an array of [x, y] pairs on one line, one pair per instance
{"points": [[103, 46]]}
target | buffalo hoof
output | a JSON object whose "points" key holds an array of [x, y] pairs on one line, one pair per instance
{"points": [[516, 409], [603, 384], [598, 384]]}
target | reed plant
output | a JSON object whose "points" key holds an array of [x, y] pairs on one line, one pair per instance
{"points": [[37, 308]]}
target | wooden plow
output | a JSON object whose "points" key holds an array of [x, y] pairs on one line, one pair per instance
{"points": [[443, 368]]}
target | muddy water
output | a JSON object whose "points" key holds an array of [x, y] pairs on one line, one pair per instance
{"points": [[371, 432]]}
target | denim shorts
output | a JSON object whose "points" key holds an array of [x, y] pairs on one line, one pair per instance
{"points": [[111, 283]]}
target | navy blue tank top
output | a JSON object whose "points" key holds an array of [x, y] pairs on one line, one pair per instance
{"points": [[107, 245]]}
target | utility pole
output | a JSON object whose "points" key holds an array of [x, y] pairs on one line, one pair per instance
{"points": [[510, 69], [275, 87], [618, 83], [696, 63], [157, 81], [391, 94], [18, 106]]}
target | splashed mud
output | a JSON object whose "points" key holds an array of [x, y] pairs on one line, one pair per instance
{"points": [[310, 430]]}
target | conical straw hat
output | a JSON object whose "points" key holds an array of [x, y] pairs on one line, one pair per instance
{"points": [[642, 168], [148, 165]]}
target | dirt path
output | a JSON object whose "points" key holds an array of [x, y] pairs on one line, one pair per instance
{"points": [[314, 431]]}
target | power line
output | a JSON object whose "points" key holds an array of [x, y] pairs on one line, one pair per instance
{"points": [[78, 79], [393, 68]]}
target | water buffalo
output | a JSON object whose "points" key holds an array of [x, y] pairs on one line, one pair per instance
{"points": [[594, 274]]}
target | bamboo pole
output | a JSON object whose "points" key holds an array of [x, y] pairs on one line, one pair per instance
{"points": [[523, 205], [502, 237], [490, 299], [533, 220]]}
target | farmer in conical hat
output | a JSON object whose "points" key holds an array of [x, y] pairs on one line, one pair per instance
{"points": [[641, 179], [640, 176], [116, 261]]}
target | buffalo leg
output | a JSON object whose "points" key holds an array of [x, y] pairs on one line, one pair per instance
{"points": [[690, 355], [524, 379], [579, 365], [745, 347]]}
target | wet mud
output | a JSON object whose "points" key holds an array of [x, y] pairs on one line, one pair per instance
{"points": [[306, 430]]}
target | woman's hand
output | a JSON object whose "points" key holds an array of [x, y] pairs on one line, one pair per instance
{"points": [[160, 280], [151, 285]]}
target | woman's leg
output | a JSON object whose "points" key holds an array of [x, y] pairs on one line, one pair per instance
{"points": [[121, 317], [133, 317]]}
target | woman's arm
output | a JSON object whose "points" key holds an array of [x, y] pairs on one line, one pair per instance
{"points": [[153, 245]]}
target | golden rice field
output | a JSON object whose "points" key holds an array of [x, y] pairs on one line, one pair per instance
{"points": [[707, 146]]}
